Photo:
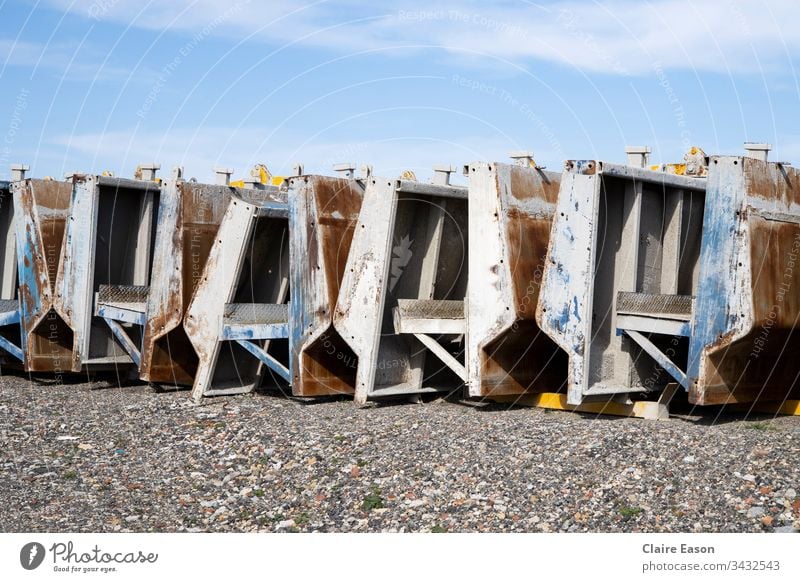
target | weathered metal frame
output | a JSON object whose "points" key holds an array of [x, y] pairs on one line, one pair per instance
{"points": [[221, 281], [42, 210], [574, 274], [511, 210], [436, 268], [188, 218], [740, 331], [57, 232], [323, 214], [9, 296], [744, 334]]}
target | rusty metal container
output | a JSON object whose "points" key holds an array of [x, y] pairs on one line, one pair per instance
{"points": [[624, 255], [323, 213], [402, 295], [73, 238], [655, 278], [42, 211], [511, 209], [239, 307], [744, 331], [10, 332], [189, 215]]}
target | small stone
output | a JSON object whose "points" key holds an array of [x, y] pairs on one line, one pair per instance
{"points": [[688, 459], [767, 521], [132, 518], [789, 494], [85, 446], [784, 529], [285, 524], [751, 478], [756, 511]]}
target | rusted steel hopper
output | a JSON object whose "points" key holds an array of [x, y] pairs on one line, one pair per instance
{"points": [[240, 305], [656, 278], [323, 213], [510, 213], [402, 295], [188, 218]]}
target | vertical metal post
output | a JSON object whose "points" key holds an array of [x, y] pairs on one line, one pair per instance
{"points": [[757, 151], [223, 176], [638, 156], [441, 175], [18, 172]]}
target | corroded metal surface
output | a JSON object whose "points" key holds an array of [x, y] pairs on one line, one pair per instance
{"points": [[617, 229], [510, 214], [248, 262], [745, 337], [323, 215], [633, 252], [411, 242], [72, 238], [188, 219], [8, 276], [42, 209]]}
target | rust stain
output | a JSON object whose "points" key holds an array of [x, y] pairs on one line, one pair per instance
{"points": [[327, 366]]}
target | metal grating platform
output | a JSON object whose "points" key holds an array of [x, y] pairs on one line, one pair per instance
{"points": [[8, 305], [430, 309], [671, 306], [255, 314], [122, 294]]}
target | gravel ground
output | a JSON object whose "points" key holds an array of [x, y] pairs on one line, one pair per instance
{"points": [[89, 457]]}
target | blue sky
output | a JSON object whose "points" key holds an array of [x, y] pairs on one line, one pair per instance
{"points": [[107, 84]]}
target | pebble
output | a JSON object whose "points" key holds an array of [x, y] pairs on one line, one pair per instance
{"points": [[261, 462]]}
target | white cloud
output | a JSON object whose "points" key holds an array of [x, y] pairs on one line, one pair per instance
{"points": [[71, 60], [200, 150], [610, 36]]}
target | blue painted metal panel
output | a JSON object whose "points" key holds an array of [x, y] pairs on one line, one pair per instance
{"points": [[11, 349], [254, 332], [712, 315]]}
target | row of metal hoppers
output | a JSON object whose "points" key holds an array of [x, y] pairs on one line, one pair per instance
{"points": [[603, 287]]}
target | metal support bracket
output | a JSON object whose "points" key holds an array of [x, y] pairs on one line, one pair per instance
{"points": [[268, 360], [659, 357], [124, 339], [443, 355]]}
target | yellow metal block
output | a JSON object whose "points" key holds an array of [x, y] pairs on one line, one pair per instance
{"points": [[787, 408], [554, 401]]}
